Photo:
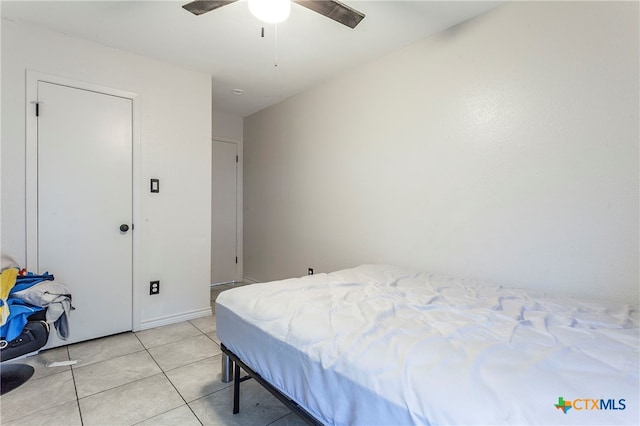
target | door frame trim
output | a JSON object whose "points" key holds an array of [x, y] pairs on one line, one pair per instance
{"points": [[31, 174], [238, 237], [239, 206]]}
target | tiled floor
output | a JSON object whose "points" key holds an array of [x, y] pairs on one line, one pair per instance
{"points": [[163, 376]]}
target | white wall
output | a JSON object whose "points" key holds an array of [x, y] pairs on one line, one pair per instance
{"points": [[175, 139], [504, 149]]}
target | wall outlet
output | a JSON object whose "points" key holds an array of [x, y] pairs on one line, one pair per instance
{"points": [[310, 271], [154, 287]]}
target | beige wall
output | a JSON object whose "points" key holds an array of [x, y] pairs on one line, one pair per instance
{"points": [[175, 146], [504, 149], [226, 126]]}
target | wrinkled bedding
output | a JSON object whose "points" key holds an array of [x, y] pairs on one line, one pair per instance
{"points": [[382, 345]]}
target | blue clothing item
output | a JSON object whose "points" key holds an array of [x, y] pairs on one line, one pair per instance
{"points": [[17, 318], [25, 281]]}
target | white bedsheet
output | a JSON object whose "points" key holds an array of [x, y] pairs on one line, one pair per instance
{"points": [[384, 345]]}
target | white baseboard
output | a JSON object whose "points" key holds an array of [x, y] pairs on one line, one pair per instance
{"points": [[159, 322]]}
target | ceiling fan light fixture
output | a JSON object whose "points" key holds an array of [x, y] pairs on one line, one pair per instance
{"points": [[271, 11]]}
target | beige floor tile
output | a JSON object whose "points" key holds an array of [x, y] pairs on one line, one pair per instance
{"points": [[67, 414], [178, 354], [39, 362], [182, 416], [119, 382], [167, 334], [105, 348], [205, 324], [104, 375], [257, 407], [49, 391], [214, 336], [289, 420], [199, 379], [131, 403]]}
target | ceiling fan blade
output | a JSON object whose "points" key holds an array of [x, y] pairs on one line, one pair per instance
{"points": [[199, 7], [335, 10]]}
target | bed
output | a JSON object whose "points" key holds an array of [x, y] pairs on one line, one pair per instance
{"points": [[383, 345]]}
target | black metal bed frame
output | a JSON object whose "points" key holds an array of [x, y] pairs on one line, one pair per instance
{"points": [[288, 402]]}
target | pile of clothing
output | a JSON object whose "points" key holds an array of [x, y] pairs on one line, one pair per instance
{"points": [[23, 294]]}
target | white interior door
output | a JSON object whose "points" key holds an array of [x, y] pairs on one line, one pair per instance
{"points": [[223, 212], [84, 196]]}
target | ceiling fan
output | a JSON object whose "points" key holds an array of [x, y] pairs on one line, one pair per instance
{"points": [[330, 8]]}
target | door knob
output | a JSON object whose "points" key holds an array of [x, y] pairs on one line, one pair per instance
{"points": [[124, 227]]}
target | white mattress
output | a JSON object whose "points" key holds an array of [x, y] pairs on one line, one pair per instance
{"points": [[384, 345]]}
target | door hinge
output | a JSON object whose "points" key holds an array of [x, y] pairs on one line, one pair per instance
{"points": [[37, 109], [236, 158], [236, 259]]}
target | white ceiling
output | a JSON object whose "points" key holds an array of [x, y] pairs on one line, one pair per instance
{"points": [[226, 42]]}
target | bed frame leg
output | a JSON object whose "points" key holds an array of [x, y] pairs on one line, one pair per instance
{"points": [[236, 389], [227, 368]]}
